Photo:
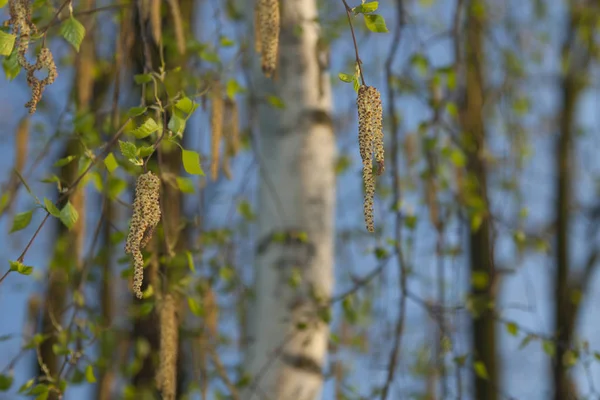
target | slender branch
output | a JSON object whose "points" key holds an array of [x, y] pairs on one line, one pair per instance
{"points": [[358, 61], [402, 271]]}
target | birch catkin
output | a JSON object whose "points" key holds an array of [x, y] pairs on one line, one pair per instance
{"points": [[370, 139], [166, 378], [269, 25], [216, 123], [146, 215]]}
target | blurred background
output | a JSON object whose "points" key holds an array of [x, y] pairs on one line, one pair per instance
{"points": [[479, 281]]}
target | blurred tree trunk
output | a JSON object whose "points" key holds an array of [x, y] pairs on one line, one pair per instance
{"points": [[68, 252], [575, 56], [172, 241], [481, 256], [288, 342]]}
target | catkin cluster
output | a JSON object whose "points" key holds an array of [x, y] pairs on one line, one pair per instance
{"points": [[370, 140], [216, 124], [266, 32], [23, 28], [232, 135], [146, 215], [166, 378]]}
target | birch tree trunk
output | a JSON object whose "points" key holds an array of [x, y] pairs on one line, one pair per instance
{"points": [[288, 342]]}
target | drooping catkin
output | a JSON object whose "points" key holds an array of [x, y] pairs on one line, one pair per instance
{"points": [[233, 126], [21, 144], [155, 20], [269, 25], [370, 139], [23, 27], [145, 218], [216, 123], [177, 25], [166, 378], [257, 38]]}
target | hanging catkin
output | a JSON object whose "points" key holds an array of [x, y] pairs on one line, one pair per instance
{"points": [[146, 215], [216, 123], [269, 21], [370, 139], [166, 377]]}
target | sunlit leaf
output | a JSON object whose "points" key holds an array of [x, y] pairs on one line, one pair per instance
{"points": [[73, 32]]}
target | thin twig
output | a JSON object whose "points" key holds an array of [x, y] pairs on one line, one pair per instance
{"points": [[402, 270], [358, 61]]}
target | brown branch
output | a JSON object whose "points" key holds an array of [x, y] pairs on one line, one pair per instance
{"points": [[358, 60]]}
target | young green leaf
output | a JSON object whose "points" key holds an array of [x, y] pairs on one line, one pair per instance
{"points": [[6, 382], [375, 23], [51, 208], [89, 374], [185, 185], [195, 307], [233, 87], [136, 111], [69, 215], [21, 221], [345, 77], [146, 129], [142, 78], [7, 43], [20, 268], [73, 32], [3, 3], [191, 162], [481, 370], [366, 8], [190, 261], [275, 101], [186, 105], [11, 66], [64, 161], [128, 150], [111, 162], [176, 124]]}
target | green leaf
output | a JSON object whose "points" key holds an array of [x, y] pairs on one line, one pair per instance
{"points": [[136, 111], [146, 129], [185, 185], [186, 105], [375, 23], [366, 8], [6, 382], [195, 307], [43, 396], [526, 341], [69, 215], [275, 101], [73, 32], [346, 77], [64, 161], [176, 124], [51, 208], [549, 347], [115, 187], [190, 261], [7, 43], [11, 66], [21, 221], [89, 374], [142, 78], [26, 385], [226, 42], [512, 328], [481, 370], [245, 210], [20, 268], [3, 3], [233, 87], [111, 162], [128, 150], [191, 162]]}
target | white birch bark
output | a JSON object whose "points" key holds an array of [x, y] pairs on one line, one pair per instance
{"points": [[296, 195]]}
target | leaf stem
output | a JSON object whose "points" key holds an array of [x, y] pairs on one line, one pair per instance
{"points": [[358, 61]]}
